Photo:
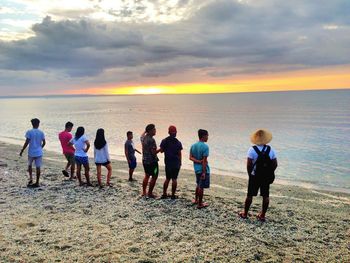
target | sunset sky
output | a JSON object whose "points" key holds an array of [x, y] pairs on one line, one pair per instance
{"points": [[174, 46]]}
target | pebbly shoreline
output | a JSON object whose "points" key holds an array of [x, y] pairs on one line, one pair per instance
{"points": [[62, 222]]}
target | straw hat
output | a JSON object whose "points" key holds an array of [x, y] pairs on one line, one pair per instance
{"points": [[261, 137]]}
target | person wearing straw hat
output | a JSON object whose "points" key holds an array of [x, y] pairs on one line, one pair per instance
{"points": [[258, 178]]}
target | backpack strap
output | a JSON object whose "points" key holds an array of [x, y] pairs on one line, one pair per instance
{"points": [[256, 149]]}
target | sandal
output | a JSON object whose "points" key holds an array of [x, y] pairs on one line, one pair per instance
{"points": [[152, 196], [203, 205], [173, 197], [260, 218], [65, 173], [242, 215], [30, 182], [164, 197], [194, 202]]}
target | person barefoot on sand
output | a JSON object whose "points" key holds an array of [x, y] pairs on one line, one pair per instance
{"points": [[82, 146], [35, 138], [261, 164], [199, 154], [68, 150], [129, 150], [172, 150], [102, 158], [149, 160]]}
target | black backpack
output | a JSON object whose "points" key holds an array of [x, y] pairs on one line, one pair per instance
{"points": [[264, 166]]}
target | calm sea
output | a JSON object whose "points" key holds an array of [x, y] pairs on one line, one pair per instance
{"points": [[311, 129]]}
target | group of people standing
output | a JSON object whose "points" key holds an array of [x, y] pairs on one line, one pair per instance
{"points": [[260, 162]]}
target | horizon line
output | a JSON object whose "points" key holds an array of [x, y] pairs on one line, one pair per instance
{"points": [[148, 94]]}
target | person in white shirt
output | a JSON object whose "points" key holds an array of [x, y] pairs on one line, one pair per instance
{"points": [[261, 164], [82, 146], [102, 158], [35, 138]]}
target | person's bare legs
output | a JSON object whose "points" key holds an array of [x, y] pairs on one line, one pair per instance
{"points": [[37, 176], [109, 174], [265, 206], [201, 204], [196, 196], [151, 186], [165, 187], [247, 204], [173, 187], [72, 170], [131, 171], [144, 184], [98, 168], [87, 176], [67, 166], [30, 172], [79, 174]]}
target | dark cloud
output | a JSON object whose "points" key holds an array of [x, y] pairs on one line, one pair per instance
{"points": [[221, 39]]}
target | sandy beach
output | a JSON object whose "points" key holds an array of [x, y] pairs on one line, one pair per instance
{"points": [[62, 222]]}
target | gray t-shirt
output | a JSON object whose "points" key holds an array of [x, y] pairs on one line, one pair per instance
{"points": [[129, 146], [148, 146]]}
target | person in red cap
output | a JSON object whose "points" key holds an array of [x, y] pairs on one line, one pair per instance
{"points": [[171, 147]]}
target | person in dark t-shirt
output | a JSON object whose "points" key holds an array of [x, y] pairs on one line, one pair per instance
{"points": [[171, 147]]}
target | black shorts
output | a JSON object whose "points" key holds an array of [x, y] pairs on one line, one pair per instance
{"points": [[103, 164], [171, 172], [151, 169], [254, 184]]}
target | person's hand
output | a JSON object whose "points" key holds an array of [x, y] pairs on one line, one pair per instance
{"points": [[21, 152], [86, 150], [129, 161], [203, 176]]}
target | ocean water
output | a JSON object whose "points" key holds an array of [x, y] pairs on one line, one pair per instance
{"points": [[311, 129]]}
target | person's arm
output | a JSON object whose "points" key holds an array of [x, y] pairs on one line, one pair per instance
{"points": [[87, 146], [126, 152], [107, 152], [194, 159], [274, 164], [180, 157], [204, 167], [138, 151], [250, 166], [24, 146], [43, 143]]}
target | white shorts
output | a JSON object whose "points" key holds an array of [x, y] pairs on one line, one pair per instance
{"points": [[38, 161]]}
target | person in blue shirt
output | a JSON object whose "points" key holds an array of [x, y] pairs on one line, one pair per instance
{"points": [[35, 138], [199, 154]]}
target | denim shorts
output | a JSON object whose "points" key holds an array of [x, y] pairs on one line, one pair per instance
{"points": [[81, 160], [37, 160], [203, 183], [132, 164]]}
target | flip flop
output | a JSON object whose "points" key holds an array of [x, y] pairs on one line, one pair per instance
{"points": [[260, 218], [204, 205], [65, 173], [194, 202], [173, 197], [30, 182], [242, 215], [164, 196], [152, 196]]}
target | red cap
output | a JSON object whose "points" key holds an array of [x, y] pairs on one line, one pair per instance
{"points": [[172, 129]]}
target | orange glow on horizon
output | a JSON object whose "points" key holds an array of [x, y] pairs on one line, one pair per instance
{"points": [[336, 78]]}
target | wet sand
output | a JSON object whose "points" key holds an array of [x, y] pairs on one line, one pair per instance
{"points": [[62, 222]]}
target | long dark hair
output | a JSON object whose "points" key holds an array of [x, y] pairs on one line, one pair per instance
{"points": [[100, 140], [80, 132]]}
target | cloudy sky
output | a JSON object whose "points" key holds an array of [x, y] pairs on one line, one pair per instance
{"points": [[146, 46]]}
